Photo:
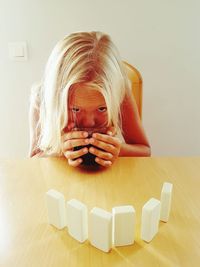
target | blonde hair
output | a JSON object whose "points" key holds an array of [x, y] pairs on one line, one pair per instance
{"points": [[82, 57]]}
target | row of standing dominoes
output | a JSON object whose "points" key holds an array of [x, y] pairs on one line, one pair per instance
{"points": [[105, 228]]}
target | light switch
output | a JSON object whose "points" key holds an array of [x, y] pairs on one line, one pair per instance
{"points": [[17, 51]]}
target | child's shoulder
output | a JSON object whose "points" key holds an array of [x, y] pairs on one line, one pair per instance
{"points": [[35, 94]]}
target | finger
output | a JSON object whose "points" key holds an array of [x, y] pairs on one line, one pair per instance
{"points": [[76, 154], [75, 135], [102, 145], [107, 139], [100, 154], [104, 163], [75, 163], [111, 131], [109, 147], [70, 144]]}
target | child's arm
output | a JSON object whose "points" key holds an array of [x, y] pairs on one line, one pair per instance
{"points": [[134, 150]]}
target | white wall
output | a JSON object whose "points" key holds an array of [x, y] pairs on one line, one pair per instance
{"points": [[160, 38]]}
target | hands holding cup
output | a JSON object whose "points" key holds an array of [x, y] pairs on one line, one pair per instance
{"points": [[91, 146]]}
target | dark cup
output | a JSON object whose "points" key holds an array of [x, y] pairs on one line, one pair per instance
{"points": [[89, 159]]}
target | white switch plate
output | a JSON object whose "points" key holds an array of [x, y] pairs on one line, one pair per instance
{"points": [[18, 51]]}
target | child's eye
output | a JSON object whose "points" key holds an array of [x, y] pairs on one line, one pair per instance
{"points": [[102, 109], [75, 110]]}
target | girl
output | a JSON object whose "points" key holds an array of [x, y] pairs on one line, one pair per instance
{"points": [[84, 104]]}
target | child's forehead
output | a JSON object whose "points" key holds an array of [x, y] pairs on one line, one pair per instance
{"points": [[84, 95]]}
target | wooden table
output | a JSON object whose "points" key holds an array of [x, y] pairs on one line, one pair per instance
{"points": [[27, 240]]}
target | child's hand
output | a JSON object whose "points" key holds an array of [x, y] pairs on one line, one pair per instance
{"points": [[107, 142], [71, 140]]}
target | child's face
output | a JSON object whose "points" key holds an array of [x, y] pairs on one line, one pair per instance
{"points": [[87, 107]]}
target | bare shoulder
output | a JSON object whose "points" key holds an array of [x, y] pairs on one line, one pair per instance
{"points": [[129, 109], [132, 127]]}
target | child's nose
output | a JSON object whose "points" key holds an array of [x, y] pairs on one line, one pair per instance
{"points": [[88, 121]]}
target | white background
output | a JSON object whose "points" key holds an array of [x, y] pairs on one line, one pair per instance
{"points": [[160, 38]]}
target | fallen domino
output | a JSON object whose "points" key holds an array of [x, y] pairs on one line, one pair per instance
{"points": [[150, 219], [56, 208], [166, 196], [77, 220], [100, 229], [123, 225]]}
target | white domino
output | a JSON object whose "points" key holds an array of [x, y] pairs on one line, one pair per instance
{"points": [[100, 229], [56, 208], [150, 219], [77, 220], [123, 225], [166, 196]]}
